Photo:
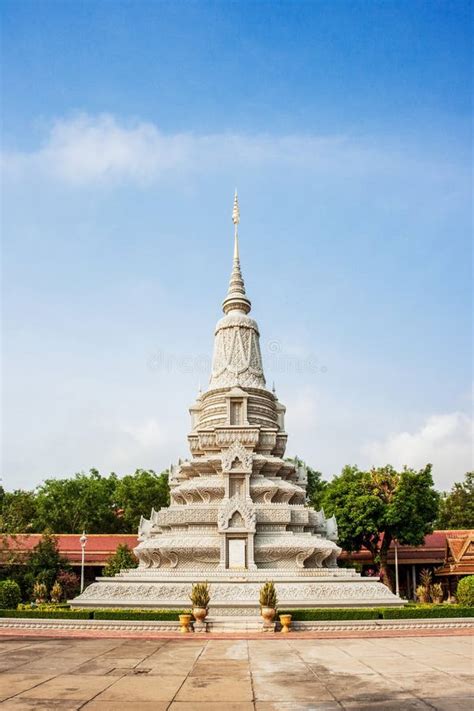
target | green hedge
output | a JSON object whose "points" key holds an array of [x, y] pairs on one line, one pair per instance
{"points": [[314, 614], [49, 614], [427, 611], [334, 613], [157, 615], [386, 613]]}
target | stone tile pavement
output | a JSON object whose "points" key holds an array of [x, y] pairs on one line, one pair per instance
{"points": [[237, 675]]}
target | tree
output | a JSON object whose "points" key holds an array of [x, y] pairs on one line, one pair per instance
{"points": [[456, 509], [44, 563], [373, 508], [315, 489], [137, 494], [84, 502], [122, 558], [17, 511]]}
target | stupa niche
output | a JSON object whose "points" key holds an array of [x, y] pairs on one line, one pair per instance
{"points": [[237, 514]]}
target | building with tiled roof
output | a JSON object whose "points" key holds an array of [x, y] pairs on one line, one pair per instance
{"points": [[446, 553], [459, 554]]}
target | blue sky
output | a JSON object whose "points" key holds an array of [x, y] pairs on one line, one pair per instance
{"points": [[346, 128]]}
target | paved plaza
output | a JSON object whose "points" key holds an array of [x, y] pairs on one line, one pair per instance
{"points": [[236, 675]]}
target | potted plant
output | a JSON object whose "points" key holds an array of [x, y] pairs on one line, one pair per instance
{"points": [[268, 602], [200, 597]]}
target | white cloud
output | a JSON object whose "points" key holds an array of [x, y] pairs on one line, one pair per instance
{"points": [[444, 440], [90, 149]]}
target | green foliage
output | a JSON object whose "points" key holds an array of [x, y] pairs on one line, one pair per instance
{"points": [[172, 615], [85, 502], [10, 594], [121, 559], [373, 508], [137, 494], [59, 614], [412, 611], [456, 509], [315, 489], [387, 613], [333, 613], [44, 563], [465, 590], [200, 594], [82, 503], [17, 511], [268, 596]]}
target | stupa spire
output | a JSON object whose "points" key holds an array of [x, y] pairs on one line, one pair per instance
{"points": [[236, 299]]}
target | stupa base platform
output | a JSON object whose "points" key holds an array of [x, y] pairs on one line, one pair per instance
{"points": [[237, 593]]}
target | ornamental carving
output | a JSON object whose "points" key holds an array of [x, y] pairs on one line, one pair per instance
{"points": [[177, 593], [239, 505], [293, 545], [238, 452], [237, 359]]}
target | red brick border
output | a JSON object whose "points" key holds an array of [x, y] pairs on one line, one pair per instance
{"points": [[122, 634]]}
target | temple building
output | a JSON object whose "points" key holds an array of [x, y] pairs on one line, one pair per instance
{"points": [[237, 515]]}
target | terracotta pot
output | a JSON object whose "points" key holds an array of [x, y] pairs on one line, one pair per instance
{"points": [[285, 621], [184, 622], [200, 614], [268, 614]]}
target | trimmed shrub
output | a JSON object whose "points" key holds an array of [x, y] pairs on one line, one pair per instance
{"points": [[465, 591], [157, 615], [49, 614], [40, 592], [335, 613], [10, 594], [56, 592], [427, 611]]}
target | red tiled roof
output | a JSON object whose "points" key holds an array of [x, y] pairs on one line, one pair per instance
{"points": [[459, 558], [433, 550], [100, 546]]}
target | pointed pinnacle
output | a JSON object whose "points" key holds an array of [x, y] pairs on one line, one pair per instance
{"points": [[236, 211]]}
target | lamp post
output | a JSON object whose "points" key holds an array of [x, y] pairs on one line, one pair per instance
{"points": [[397, 586], [83, 541]]}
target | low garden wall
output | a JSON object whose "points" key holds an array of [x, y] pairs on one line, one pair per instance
{"points": [[307, 615]]}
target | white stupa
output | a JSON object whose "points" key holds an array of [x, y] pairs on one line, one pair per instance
{"points": [[238, 515]]}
